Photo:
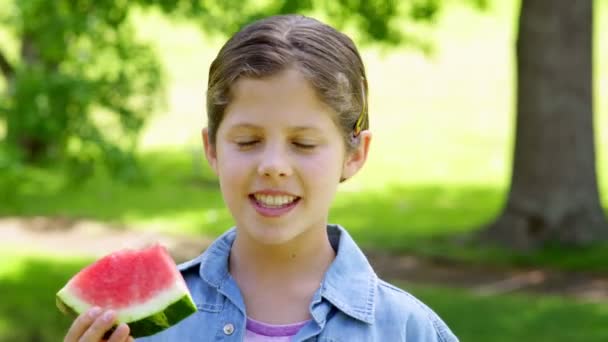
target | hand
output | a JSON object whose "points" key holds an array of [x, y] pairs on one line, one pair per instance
{"points": [[93, 324]]}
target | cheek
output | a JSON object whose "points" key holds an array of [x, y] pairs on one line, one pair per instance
{"points": [[232, 169], [325, 168]]}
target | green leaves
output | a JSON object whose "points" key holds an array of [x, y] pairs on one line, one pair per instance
{"points": [[79, 85], [82, 76]]}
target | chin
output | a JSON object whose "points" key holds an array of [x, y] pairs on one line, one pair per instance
{"points": [[272, 235]]}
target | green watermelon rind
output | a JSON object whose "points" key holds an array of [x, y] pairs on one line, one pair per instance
{"points": [[154, 319]]}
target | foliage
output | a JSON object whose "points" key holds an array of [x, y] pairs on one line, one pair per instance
{"points": [[81, 86]]}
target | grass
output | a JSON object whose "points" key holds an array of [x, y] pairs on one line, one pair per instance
{"points": [[29, 313], [514, 317], [426, 219], [174, 199], [438, 166]]}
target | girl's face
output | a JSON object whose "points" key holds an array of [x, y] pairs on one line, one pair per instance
{"points": [[279, 157]]}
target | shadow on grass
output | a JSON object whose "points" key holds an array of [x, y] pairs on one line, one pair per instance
{"points": [[27, 308]]}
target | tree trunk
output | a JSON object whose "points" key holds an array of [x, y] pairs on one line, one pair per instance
{"points": [[554, 193], [6, 68], [31, 146]]}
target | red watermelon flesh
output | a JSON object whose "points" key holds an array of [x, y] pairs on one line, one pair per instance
{"points": [[126, 277], [144, 287]]}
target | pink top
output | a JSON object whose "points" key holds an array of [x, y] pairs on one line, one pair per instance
{"points": [[262, 332]]}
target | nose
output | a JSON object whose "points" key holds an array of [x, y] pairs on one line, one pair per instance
{"points": [[274, 162]]}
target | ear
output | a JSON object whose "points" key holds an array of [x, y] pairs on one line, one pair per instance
{"points": [[356, 159], [210, 151]]}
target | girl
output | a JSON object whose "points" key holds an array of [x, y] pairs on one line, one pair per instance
{"points": [[287, 122]]}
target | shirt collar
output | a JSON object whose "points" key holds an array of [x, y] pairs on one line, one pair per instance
{"points": [[213, 263], [349, 283]]}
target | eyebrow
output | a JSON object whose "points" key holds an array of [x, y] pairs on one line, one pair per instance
{"points": [[244, 125], [294, 128]]}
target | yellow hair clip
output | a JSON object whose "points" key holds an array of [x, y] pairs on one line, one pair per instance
{"points": [[357, 129]]}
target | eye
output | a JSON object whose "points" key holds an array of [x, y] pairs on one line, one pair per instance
{"points": [[247, 143], [304, 146]]}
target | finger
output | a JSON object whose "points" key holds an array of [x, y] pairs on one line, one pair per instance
{"points": [[81, 324], [102, 324], [121, 334]]}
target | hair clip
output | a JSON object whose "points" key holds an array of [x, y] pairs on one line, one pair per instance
{"points": [[357, 128], [358, 125]]}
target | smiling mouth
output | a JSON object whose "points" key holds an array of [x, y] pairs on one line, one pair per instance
{"points": [[274, 201]]}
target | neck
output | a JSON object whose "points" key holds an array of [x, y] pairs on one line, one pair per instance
{"points": [[309, 255], [278, 281]]}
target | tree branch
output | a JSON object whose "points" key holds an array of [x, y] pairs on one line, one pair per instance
{"points": [[6, 68]]}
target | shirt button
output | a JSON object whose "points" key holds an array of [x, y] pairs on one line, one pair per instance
{"points": [[228, 329]]}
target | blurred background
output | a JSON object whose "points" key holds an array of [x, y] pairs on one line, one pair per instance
{"points": [[482, 194]]}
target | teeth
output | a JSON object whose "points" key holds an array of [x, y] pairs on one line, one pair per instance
{"points": [[274, 201]]}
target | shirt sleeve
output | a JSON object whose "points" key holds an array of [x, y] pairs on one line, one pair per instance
{"points": [[428, 327]]}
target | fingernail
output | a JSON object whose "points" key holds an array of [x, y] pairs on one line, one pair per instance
{"points": [[108, 316], [94, 312]]}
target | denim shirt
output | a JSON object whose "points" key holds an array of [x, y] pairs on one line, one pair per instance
{"points": [[351, 304]]}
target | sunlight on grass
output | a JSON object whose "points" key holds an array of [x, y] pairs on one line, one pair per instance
{"points": [[440, 157], [210, 222], [439, 163], [28, 285], [9, 266]]}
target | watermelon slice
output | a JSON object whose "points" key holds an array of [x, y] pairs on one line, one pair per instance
{"points": [[143, 287]]}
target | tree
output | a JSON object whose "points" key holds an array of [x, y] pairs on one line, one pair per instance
{"points": [[80, 85], [554, 191], [80, 57]]}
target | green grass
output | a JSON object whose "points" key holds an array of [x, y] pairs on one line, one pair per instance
{"points": [[439, 163], [29, 312], [182, 197], [173, 198], [440, 221], [514, 317], [28, 284]]}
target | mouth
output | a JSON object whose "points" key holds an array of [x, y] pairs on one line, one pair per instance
{"points": [[274, 201], [273, 205]]}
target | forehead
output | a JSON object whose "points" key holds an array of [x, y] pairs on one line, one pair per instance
{"points": [[284, 98]]}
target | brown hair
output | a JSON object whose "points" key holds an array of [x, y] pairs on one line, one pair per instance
{"points": [[327, 58]]}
